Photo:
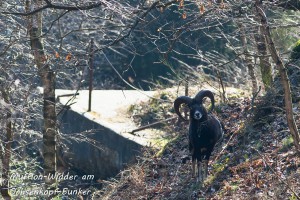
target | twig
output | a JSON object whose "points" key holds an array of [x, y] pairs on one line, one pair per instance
{"points": [[223, 89], [223, 148], [67, 105]]}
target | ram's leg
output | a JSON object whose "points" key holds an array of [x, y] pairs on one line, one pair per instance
{"points": [[193, 167], [200, 175], [205, 169]]}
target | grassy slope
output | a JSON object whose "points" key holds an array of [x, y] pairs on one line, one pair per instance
{"points": [[255, 161]]}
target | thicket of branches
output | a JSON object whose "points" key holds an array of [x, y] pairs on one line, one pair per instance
{"points": [[166, 40]]}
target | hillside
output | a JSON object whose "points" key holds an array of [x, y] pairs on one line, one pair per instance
{"points": [[256, 160], [130, 145]]}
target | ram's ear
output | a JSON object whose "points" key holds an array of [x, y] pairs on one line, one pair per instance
{"points": [[181, 100]]}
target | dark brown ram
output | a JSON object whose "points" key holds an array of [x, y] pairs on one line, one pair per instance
{"points": [[205, 130]]}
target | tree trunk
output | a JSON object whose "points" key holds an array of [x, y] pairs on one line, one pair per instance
{"points": [[49, 130], [7, 153], [248, 59], [283, 75], [48, 81], [265, 65]]}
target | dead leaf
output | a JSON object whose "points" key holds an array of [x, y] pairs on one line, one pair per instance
{"points": [[202, 9], [68, 57], [56, 54]]}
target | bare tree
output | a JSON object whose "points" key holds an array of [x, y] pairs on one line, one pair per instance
{"points": [[47, 76], [6, 154], [283, 75], [248, 59], [265, 65]]}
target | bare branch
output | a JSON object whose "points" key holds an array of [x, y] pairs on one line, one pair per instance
{"points": [[58, 7]]}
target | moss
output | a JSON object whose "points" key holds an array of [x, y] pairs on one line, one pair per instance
{"points": [[287, 144], [165, 143], [267, 78], [217, 169], [296, 51]]}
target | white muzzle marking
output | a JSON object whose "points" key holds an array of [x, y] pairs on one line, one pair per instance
{"points": [[197, 115]]}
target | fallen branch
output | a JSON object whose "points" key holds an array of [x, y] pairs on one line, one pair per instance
{"points": [[150, 125], [68, 95]]}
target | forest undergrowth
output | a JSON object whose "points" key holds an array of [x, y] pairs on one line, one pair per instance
{"points": [[256, 159]]}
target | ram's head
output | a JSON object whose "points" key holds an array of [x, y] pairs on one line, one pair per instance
{"points": [[195, 105]]}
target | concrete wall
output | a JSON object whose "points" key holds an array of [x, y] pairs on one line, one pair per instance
{"points": [[103, 158]]}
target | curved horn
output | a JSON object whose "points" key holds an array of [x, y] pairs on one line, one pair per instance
{"points": [[206, 93], [180, 100]]}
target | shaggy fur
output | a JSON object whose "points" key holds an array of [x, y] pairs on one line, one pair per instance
{"points": [[205, 130]]}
